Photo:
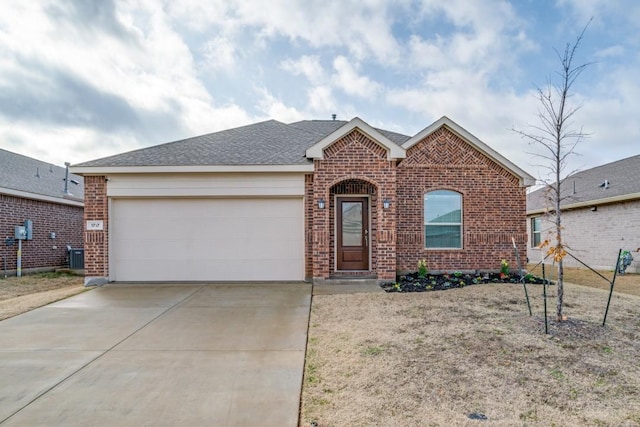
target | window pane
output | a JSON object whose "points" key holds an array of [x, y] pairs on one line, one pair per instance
{"points": [[442, 206], [537, 222], [442, 236], [351, 224], [536, 226], [443, 219]]}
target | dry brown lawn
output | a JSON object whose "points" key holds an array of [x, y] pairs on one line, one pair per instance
{"points": [[21, 294], [434, 358], [625, 283]]}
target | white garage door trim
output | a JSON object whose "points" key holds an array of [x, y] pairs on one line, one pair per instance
{"points": [[206, 239]]}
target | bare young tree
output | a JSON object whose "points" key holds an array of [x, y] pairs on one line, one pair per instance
{"points": [[557, 137]]}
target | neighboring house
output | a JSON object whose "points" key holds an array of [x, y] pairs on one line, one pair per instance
{"points": [[600, 215], [308, 200], [35, 190]]}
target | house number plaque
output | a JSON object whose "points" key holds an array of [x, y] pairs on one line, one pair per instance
{"points": [[95, 225]]}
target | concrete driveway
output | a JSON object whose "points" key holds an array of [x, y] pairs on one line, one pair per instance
{"points": [[149, 355]]}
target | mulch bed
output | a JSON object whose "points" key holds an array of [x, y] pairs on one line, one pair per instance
{"points": [[438, 282]]}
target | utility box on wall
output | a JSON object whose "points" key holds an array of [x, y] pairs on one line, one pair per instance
{"points": [[20, 232], [76, 258], [28, 225]]}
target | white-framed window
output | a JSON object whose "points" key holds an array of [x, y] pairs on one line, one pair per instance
{"points": [[443, 219], [536, 226]]}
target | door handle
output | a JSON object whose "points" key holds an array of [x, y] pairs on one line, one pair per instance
{"points": [[366, 238]]}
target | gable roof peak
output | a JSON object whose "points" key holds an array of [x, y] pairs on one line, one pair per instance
{"points": [[526, 180], [394, 151]]}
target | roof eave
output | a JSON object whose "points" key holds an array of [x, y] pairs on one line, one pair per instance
{"points": [[588, 203], [394, 151], [63, 200], [102, 170]]}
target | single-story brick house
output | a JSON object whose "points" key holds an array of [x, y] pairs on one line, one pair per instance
{"points": [[600, 215], [34, 190], [316, 199]]}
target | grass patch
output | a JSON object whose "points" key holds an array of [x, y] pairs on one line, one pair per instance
{"points": [[21, 294], [13, 287], [625, 283], [372, 351], [469, 350]]}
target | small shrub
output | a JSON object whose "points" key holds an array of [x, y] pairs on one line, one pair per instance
{"points": [[422, 268], [504, 267]]}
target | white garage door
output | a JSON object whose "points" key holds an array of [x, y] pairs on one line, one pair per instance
{"points": [[207, 239]]}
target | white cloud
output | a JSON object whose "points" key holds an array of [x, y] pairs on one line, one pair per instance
{"points": [[308, 66], [362, 27], [611, 51], [348, 79], [200, 15], [219, 53], [321, 100], [63, 143], [274, 108], [136, 61]]}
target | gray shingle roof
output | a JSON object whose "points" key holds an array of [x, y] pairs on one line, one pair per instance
{"points": [[21, 173], [265, 143], [623, 177], [325, 127]]}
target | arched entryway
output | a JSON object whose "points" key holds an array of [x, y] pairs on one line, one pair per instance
{"points": [[353, 224]]}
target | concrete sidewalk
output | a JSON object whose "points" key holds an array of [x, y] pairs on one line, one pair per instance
{"points": [[149, 354]]}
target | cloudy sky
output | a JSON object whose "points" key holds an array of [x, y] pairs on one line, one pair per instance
{"points": [[80, 80]]}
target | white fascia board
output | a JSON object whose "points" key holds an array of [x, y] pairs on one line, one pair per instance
{"points": [[394, 151], [588, 203], [104, 170], [526, 180], [41, 197]]}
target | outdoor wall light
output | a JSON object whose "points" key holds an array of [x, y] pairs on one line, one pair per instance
{"points": [[386, 203], [594, 208], [321, 203]]}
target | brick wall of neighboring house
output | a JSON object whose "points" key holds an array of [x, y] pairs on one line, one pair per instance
{"points": [[357, 159], [493, 205], [595, 237], [96, 243], [42, 251]]}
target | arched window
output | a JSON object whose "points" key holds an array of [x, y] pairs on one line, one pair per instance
{"points": [[443, 219]]}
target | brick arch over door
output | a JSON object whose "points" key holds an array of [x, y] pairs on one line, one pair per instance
{"points": [[354, 186]]}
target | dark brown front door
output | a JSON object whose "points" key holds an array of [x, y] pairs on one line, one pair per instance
{"points": [[352, 219]]}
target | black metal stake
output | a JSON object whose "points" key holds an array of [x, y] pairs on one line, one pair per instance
{"points": [[524, 285], [544, 296], [613, 282]]}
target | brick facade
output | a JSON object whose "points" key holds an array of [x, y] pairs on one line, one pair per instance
{"points": [[308, 226], [96, 243], [493, 205], [493, 202], [596, 236], [42, 252], [354, 165]]}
